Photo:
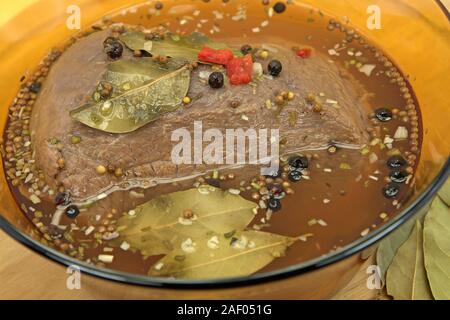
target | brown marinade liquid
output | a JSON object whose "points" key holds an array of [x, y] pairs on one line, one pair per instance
{"points": [[348, 202]]}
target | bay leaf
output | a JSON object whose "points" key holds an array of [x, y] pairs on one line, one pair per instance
{"points": [[406, 277], [159, 225], [436, 247], [136, 72], [179, 48], [444, 193], [388, 246], [136, 40], [248, 253], [137, 107]]}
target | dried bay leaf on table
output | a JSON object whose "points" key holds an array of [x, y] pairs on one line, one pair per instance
{"points": [[436, 246], [444, 193], [137, 107], [406, 277], [247, 253], [159, 226], [388, 246]]}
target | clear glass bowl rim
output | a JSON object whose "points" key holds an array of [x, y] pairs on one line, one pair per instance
{"points": [[311, 265]]}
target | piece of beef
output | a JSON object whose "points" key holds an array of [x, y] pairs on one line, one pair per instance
{"points": [[147, 151]]}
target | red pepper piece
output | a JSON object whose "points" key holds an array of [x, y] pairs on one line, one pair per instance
{"points": [[210, 55], [304, 53], [240, 70]]}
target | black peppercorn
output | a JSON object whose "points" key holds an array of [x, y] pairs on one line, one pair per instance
{"points": [[72, 212], [113, 48], [216, 80], [246, 49], [279, 7], [62, 199], [383, 114], [295, 175], [275, 68], [395, 162], [398, 176], [35, 87], [274, 204], [391, 190], [298, 162]]}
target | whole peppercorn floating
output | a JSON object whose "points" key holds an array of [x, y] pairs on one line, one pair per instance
{"points": [[118, 172], [295, 175], [396, 162], [235, 103], [35, 87], [246, 49], [275, 68], [391, 190], [72, 212], [216, 80], [274, 204], [186, 100], [299, 162], [383, 114], [398, 176], [101, 170], [279, 7], [113, 48], [62, 199]]}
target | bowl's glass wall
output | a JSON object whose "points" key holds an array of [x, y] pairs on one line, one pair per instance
{"points": [[415, 33]]}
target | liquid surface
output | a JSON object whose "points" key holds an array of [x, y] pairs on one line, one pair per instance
{"points": [[342, 194]]}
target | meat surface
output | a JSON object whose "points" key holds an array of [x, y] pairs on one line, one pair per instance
{"points": [[147, 151]]}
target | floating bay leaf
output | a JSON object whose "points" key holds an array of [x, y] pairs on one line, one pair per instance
{"points": [[444, 193], [179, 48], [249, 252], [127, 74], [406, 277], [136, 40], [389, 246], [159, 225], [137, 107], [436, 245]]}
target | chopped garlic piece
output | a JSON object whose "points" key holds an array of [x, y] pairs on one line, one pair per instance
{"points": [[367, 69], [213, 243], [401, 133], [373, 158], [188, 246], [234, 191], [35, 199], [241, 243], [257, 69], [125, 246], [158, 266], [89, 230], [106, 258]]}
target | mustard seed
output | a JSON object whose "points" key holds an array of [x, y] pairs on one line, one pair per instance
{"points": [[101, 169]]}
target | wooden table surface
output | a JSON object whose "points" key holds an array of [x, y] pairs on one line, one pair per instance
{"points": [[27, 275]]}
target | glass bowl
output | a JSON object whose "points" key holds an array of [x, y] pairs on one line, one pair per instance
{"points": [[415, 35]]}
